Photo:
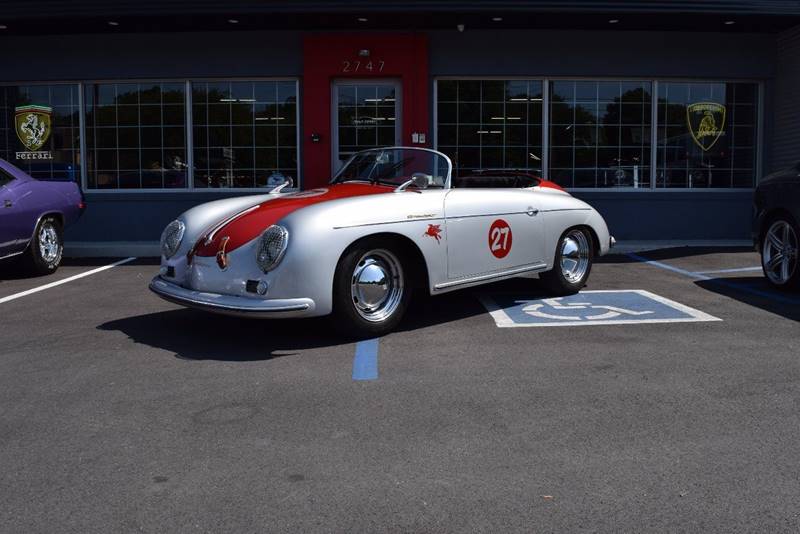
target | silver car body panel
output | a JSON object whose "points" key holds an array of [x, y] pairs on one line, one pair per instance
{"points": [[449, 227]]}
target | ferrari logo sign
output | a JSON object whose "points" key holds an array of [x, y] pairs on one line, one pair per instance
{"points": [[706, 121], [33, 125]]}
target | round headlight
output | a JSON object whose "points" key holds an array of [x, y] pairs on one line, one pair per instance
{"points": [[271, 246], [171, 238]]}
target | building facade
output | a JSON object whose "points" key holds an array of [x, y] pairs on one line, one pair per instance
{"points": [[662, 118]]}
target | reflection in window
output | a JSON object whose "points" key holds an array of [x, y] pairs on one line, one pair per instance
{"points": [[706, 134], [600, 133], [52, 133], [484, 124], [244, 133], [366, 117], [136, 135]]}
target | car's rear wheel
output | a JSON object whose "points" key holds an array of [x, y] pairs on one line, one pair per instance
{"points": [[46, 248], [371, 292], [573, 263], [779, 253]]}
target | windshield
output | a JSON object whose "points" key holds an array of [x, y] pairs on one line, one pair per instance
{"points": [[395, 166]]}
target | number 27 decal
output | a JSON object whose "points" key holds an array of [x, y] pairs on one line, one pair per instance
{"points": [[500, 238]]}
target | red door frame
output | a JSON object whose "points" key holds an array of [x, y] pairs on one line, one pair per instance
{"points": [[327, 57]]}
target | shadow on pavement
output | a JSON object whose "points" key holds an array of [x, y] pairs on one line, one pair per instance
{"points": [[669, 254], [197, 335], [756, 291]]}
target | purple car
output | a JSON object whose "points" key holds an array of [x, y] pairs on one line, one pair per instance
{"points": [[33, 215]]}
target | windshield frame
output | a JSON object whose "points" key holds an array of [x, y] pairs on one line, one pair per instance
{"points": [[417, 148]]}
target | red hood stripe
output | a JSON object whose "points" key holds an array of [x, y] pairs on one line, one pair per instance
{"points": [[252, 222]]}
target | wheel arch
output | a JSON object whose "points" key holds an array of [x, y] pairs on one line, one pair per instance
{"points": [[409, 251], [582, 226], [56, 214]]}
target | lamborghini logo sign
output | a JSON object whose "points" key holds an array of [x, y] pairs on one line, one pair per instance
{"points": [[706, 121]]}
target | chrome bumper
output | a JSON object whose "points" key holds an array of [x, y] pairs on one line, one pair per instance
{"points": [[231, 304]]}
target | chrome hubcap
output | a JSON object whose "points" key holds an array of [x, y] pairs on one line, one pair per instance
{"points": [[779, 254], [377, 285], [49, 247], [574, 256]]}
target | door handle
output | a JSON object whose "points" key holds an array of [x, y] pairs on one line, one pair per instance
{"points": [[531, 211], [7, 203]]}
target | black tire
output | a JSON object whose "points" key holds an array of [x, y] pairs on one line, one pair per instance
{"points": [[49, 234], [787, 233], [556, 280], [364, 261]]}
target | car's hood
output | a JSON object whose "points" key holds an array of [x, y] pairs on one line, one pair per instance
{"points": [[247, 225]]}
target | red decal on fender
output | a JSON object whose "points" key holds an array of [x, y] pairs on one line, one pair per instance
{"points": [[434, 231], [500, 238]]}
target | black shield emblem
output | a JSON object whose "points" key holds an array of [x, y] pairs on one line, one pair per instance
{"points": [[706, 121]]}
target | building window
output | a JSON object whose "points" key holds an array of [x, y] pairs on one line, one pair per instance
{"points": [[600, 133], [706, 134], [40, 130], [136, 135], [484, 124], [244, 133]]}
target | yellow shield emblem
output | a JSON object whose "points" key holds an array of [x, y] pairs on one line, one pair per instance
{"points": [[706, 121], [33, 124]]}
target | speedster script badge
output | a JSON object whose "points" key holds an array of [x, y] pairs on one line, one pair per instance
{"points": [[706, 121]]}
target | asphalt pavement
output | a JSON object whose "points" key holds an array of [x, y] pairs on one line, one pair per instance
{"points": [[120, 412]]}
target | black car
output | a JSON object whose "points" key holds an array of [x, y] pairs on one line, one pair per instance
{"points": [[776, 229]]}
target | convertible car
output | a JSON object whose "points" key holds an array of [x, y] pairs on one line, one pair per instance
{"points": [[33, 215], [391, 221]]}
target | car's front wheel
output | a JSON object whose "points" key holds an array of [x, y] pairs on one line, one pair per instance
{"points": [[573, 263], [779, 251], [46, 248], [371, 292]]}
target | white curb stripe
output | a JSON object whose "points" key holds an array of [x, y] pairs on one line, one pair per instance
{"points": [[64, 281]]}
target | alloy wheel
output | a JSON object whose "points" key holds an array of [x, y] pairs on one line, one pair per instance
{"points": [[779, 252]]}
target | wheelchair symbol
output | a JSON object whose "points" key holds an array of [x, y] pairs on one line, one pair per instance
{"points": [[611, 312]]}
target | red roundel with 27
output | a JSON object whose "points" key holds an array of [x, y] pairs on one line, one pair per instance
{"points": [[500, 238]]}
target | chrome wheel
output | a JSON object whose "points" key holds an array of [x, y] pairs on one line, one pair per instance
{"points": [[376, 286], [575, 254], [779, 252], [49, 243]]}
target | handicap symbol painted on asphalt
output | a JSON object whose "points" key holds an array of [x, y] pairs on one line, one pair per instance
{"points": [[628, 306]]}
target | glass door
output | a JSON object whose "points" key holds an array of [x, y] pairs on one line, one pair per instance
{"points": [[366, 114]]}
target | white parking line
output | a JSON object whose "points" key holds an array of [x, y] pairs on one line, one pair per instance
{"points": [[740, 270], [64, 281]]}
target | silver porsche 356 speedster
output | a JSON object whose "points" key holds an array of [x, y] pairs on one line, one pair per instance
{"points": [[392, 220]]}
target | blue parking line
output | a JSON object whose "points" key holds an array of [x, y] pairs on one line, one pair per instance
{"points": [[365, 363], [718, 281]]}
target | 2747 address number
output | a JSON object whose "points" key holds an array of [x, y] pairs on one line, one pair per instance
{"points": [[362, 66]]}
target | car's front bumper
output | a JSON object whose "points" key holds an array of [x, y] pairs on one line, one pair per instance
{"points": [[232, 304]]}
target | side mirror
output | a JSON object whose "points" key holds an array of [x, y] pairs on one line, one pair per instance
{"points": [[421, 180]]}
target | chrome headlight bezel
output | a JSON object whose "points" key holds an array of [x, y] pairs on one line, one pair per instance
{"points": [[172, 237], [271, 247]]}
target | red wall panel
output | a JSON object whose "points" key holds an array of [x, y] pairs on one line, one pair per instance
{"points": [[329, 57]]}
